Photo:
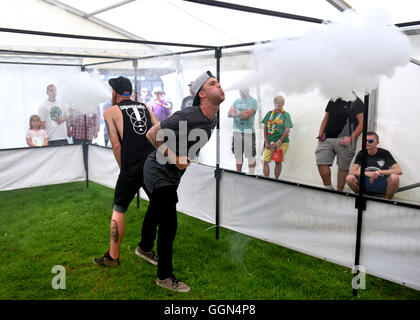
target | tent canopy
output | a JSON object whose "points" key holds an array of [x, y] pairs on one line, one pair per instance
{"points": [[191, 23]]}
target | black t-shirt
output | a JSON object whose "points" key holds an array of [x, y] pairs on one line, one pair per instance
{"points": [[381, 160], [135, 147], [187, 102], [338, 124], [187, 131]]}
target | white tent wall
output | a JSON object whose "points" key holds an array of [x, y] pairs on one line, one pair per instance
{"points": [[398, 126], [390, 243], [306, 111], [310, 221], [103, 168], [32, 167], [24, 88]]}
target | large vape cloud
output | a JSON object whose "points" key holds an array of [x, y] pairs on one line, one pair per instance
{"points": [[335, 59], [83, 91]]}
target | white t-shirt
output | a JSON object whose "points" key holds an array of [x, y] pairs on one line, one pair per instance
{"points": [[49, 111], [37, 136]]}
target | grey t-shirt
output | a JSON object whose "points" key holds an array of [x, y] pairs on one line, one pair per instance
{"points": [[186, 132]]}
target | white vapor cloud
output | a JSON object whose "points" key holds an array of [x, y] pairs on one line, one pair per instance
{"points": [[83, 91], [336, 58]]}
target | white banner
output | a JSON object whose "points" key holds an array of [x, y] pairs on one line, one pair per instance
{"points": [[314, 222], [391, 243], [197, 193], [103, 167], [31, 167]]}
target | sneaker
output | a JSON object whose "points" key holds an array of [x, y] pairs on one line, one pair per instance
{"points": [[173, 283], [104, 261], [149, 256]]}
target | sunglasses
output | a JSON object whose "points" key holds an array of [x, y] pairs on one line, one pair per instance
{"points": [[370, 140]]}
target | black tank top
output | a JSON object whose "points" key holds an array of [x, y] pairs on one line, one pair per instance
{"points": [[134, 146]]}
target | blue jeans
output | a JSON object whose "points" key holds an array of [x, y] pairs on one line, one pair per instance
{"points": [[377, 188]]}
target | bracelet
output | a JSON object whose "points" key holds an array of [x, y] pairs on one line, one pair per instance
{"points": [[321, 138]]}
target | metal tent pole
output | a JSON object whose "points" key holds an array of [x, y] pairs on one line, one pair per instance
{"points": [[85, 147], [135, 98], [217, 173], [360, 199]]}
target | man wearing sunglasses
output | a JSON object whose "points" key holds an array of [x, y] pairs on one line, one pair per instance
{"points": [[382, 171]]}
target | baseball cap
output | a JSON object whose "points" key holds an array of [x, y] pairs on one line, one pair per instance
{"points": [[198, 83], [157, 89], [121, 85]]}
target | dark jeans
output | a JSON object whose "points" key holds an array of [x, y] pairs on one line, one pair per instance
{"points": [[162, 213]]}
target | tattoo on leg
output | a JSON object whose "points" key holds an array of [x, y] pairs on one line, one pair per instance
{"points": [[114, 231]]}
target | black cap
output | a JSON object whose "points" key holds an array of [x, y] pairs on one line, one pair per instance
{"points": [[121, 85]]}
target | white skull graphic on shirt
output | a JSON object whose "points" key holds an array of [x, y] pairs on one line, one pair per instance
{"points": [[137, 117]]}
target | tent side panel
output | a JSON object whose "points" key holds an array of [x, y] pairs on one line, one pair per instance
{"points": [[197, 193], [31, 167], [314, 222], [391, 243], [103, 168]]}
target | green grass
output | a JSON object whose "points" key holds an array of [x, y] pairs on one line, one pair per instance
{"points": [[68, 225]]}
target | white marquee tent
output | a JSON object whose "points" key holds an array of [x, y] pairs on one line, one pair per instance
{"points": [[169, 42]]}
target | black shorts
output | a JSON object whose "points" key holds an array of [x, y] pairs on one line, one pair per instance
{"points": [[129, 182]]}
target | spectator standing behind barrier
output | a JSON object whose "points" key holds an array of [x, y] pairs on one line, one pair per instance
{"points": [[188, 101], [36, 136], [160, 107], [340, 127], [84, 127], [144, 96], [128, 122], [382, 171], [277, 124], [243, 139], [54, 118], [165, 167]]}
